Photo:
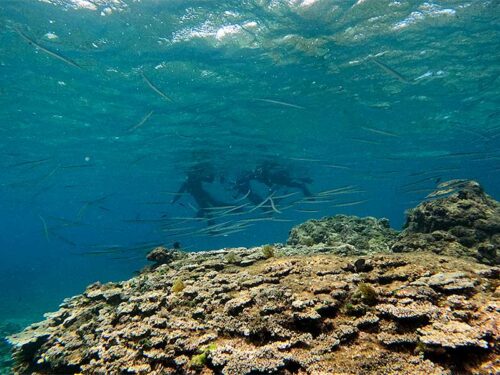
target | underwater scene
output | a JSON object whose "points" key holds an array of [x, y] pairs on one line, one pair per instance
{"points": [[249, 187]]}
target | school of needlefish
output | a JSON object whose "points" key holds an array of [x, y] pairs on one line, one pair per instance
{"points": [[279, 205]]}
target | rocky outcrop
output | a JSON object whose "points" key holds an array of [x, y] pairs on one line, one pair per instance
{"points": [[462, 222], [161, 255], [323, 314], [345, 235]]}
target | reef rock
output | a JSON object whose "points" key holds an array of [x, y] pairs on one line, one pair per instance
{"points": [[344, 235], [281, 315], [465, 222], [162, 255]]}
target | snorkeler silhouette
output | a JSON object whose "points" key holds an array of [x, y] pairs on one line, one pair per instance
{"points": [[243, 187], [272, 175], [193, 185]]}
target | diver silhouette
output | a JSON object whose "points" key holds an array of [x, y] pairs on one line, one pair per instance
{"points": [[274, 176], [193, 185]]}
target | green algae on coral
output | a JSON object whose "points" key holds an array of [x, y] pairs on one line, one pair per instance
{"points": [[367, 294], [268, 251], [178, 286], [200, 360]]}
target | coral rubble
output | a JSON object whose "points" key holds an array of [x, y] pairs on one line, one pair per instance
{"points": [[312, 306]]}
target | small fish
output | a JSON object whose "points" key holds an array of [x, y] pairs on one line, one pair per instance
{"points": [[43, 49], [336, 166], [176, 229], [315, 201], [29, 162], [45, 229], [411, 184], [280, 103], [256, 219], [171, 193], [262, 203], [219, 208], [234, 209], [365, 141], [244, 197], [273, 206], [305, 159], [65, 222], [77, 166], [350, 203], [286, 195], [377, 131], [459, 154], [439, 193], [154, 88], [332, 191], [142, 122], [418, 191], [63, 239], [389, 70], [453, 183]]}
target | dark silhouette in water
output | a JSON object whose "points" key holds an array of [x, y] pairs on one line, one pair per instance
{"points": [[274, 176], [193, 185], [243, 187]]}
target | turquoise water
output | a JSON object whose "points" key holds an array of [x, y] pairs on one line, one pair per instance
{"points": [[106, 106]]}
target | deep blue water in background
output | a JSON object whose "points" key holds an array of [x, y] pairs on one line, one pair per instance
{"points": [[389, 97]]}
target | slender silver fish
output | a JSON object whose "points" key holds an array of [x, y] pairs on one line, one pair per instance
{"points": [[45, 229], [390, 71], [154, 88], [280, 103], [142, 122], [47, 51]]}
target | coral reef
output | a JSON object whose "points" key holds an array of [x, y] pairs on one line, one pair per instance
{"points": [[334, 300], [161, 255], [465, 223], [405, 313], [345, 235]]}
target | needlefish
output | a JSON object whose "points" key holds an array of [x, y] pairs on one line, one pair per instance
{"points": [[389, 70], [47, 51], [154, 88]]}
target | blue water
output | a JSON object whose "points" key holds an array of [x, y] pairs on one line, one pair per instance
{"points": [[389, 97]]}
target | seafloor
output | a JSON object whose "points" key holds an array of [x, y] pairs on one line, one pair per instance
{"points": [[345, 295]]}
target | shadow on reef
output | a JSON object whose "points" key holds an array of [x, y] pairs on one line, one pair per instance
{"points": [[344, 295]]}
